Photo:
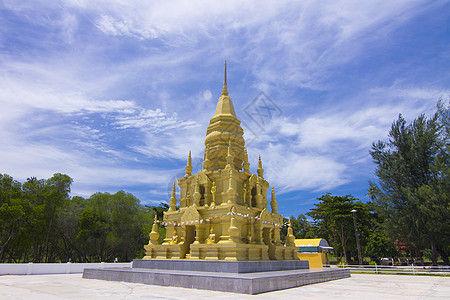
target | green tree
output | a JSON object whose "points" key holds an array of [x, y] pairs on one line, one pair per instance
{"points": [[9, 188], [93, 228], [113, 226], [413, 192], [332, 216], [379, 245], [334, 221], [40, 222], [57, 192], [12, 215], [130, 227], [159, 210], [301, 228], [67, 229], [30, 245]]}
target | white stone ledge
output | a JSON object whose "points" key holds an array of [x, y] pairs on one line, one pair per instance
{"points": [[55, 268]]}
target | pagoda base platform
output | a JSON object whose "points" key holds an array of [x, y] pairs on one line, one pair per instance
{"points": [[247, 277], [222, 251]]}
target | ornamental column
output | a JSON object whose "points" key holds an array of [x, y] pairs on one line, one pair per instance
{"points": [[172, 200]]}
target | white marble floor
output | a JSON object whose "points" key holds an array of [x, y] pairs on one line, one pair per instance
{"points": [[365, 287]]}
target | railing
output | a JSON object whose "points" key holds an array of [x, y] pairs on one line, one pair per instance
{"points": [[396, 270], [55, 268]]}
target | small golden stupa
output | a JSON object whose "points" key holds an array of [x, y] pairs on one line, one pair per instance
{"points": [[222, 211]]}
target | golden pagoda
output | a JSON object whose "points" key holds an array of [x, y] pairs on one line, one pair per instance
{"points": [[222, 212]]}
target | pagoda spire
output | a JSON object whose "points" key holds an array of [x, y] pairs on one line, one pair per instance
{"points": [[274, 203], [154, 235], [224, 126], [225, 89], [173, 200], [290, 238], [189, 165], [260, 169], [246, 164], [224, 105]]}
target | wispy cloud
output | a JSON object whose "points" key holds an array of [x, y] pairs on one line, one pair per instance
{"points": [[326, 149], [117, 93]]}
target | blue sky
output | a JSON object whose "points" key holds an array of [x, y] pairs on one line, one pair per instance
{"points": [[116, 93]]}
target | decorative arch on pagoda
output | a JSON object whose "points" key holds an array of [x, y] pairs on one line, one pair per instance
{"points": [[205, 185], [191, 216], [252, 189], [266, 218]]}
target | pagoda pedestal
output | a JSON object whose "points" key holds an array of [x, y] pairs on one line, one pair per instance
{"points": [[247, 277]]}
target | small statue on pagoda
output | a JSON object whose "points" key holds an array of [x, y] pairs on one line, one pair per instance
{"points": [[212, 237]]}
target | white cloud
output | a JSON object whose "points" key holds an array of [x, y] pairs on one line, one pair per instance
{"points": [[174, 144], [362, 127], [410, 100], [312, 37], [152, 120], [109, 25], [89, 170], [161, 19], [61, 129], [328, 148], [39, 86], [289, 169], [207, 95]]}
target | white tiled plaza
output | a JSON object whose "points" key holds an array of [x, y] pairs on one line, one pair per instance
{"points": [[72, 286]]}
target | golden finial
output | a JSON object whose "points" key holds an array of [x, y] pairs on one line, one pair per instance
{"points": [[290, 238], [274, 203], [154, 235], [173, 189], [260, 170], [189, 165], [225, 90], [172, 200], [246, 164]]}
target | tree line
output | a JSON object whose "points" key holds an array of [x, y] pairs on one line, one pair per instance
{"points": [[40, 222], [332, 219], [412, 194]]}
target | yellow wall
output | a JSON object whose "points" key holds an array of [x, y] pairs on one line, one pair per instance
{"points": [[315, 259]]}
